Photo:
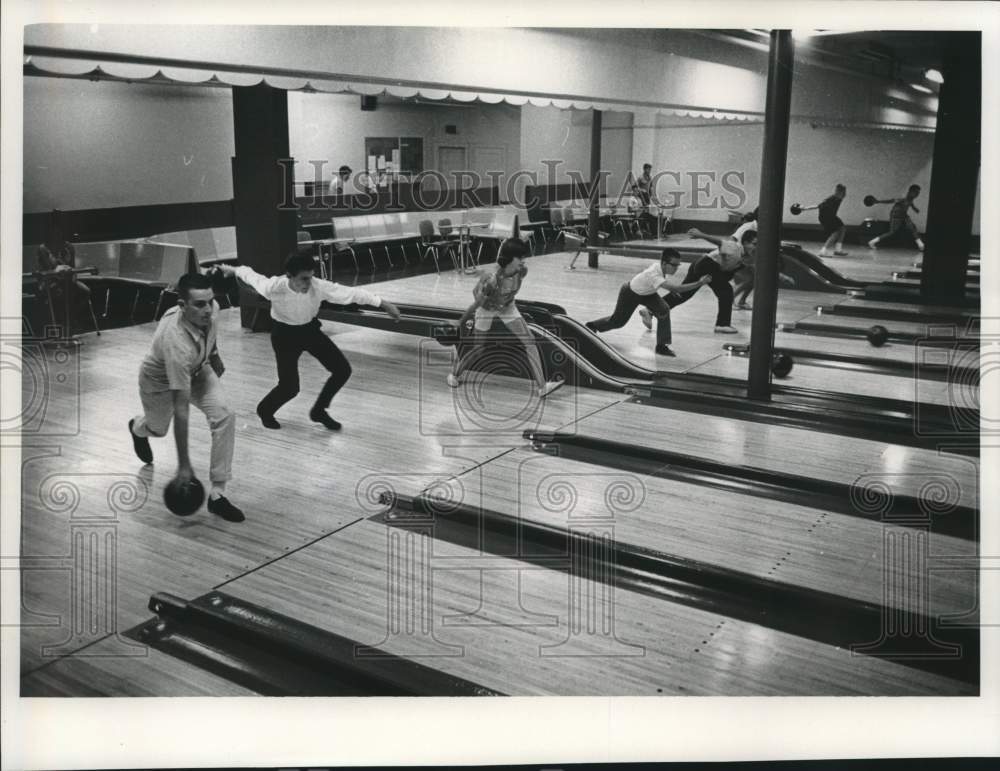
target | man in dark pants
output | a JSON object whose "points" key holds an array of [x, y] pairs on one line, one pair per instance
{"points": [[295, 300], [720, 265], [642, 290]]}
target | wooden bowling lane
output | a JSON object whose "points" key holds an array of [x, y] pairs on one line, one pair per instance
{"points": [[959, 395], [832, 320], [109, 669], [294, 485], [859, 305], [588, 295], [904, 470], [864, 264], [762, 537], [680, 241], [495, 623], [909, 353]]}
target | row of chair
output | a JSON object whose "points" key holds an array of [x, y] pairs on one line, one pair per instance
{"points": [[152, 265], [455, 233], [626, 217]]}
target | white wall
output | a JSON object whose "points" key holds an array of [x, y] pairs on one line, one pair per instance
{"points": [[551, 134], [877, 162], [90, 145], [332, 128], [868, 161]]}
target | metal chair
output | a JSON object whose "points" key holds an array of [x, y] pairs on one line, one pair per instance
{"points": [[562, 223], [431, 245]]}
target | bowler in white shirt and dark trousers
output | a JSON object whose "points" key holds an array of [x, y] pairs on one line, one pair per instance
{"points": [[642, 290], [295, 299]]}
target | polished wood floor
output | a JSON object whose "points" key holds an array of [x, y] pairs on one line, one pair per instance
{"points": [[97, 540]]}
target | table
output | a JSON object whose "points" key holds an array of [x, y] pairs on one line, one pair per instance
{"points": [[466, 262]]}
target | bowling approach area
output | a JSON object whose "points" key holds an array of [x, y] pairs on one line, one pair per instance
{"points": [[630, 534]]}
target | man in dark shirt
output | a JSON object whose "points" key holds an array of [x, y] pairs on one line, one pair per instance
{"points": [[833, 226]]}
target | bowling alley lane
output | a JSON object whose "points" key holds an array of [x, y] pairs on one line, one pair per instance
{"points": [[502, 624], [959, 395], [904, 470]]}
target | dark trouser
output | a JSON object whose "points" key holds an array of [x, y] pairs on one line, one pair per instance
{"points": [[831, 225], [289, 342], [720, 285], [628, 301], [745, 277]]}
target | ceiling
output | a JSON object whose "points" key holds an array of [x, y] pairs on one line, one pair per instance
{"points": [[915, 50], [891, 54]]}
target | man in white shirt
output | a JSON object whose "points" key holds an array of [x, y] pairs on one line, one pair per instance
{"points": [[344, 184], [641, 289], [295, 299]]}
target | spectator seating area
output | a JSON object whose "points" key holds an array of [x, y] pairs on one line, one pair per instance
{"points": [[212, 245], [622, 216], [132, 281], [391, 240], [129, 281]]}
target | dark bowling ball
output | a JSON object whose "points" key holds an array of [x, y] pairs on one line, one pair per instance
{"points": [[219, 283], [870, 200], [781, 364], [184, 499], [796, 209], [877, 335]]}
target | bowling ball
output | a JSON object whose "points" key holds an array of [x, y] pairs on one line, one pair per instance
{"points": [[877, 335], [796, 209], [184, 499], [223, 284], [870, 200], [781, 364]]}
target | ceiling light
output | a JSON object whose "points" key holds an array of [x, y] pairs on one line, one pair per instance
{"points": [[918, 87], [934, 76]]}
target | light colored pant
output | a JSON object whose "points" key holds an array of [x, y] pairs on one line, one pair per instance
{"points": [[484, 318], [209, 397]]}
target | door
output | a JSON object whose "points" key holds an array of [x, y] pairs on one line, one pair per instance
{"points": [[451, 163]]}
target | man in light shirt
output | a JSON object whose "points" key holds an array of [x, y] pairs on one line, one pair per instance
{"points": [[344, 184], [295, 299], [642, 290], [182, 368]]}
